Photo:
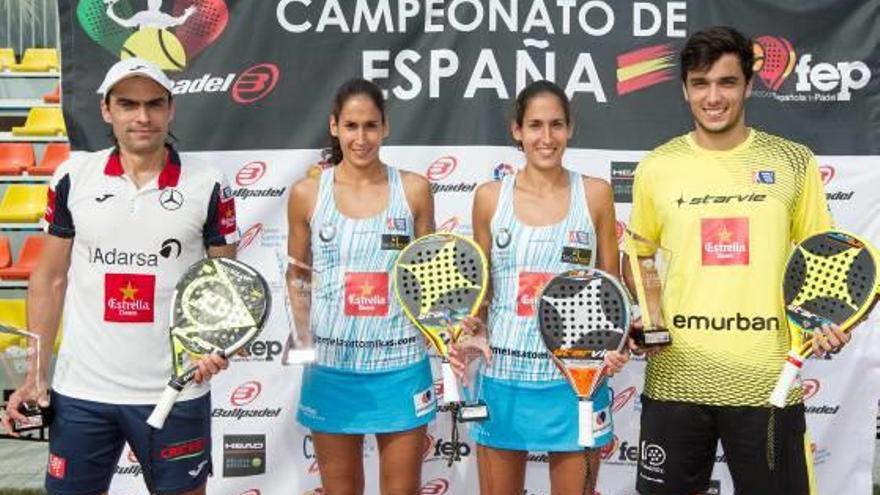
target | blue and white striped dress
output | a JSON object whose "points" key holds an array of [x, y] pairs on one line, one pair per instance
{"points": [[371, 373], [531, 407]]}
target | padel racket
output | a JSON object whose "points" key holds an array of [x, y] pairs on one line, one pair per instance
{"points": [[582, 314], [440, 279], [219, 306], [831, 277]]}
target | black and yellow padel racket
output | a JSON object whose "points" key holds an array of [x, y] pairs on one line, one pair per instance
{"points": [[219, 306], [440, 279], [831, 277]]}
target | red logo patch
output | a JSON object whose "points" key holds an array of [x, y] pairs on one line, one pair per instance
{"points": [[366, 294], [811, 387], [437, 486], [57, 466], [250, 173], [530, 286], [255, 83], [50, 206], [725, 241], [827, 173], [245, 393], [226, 211], [183, 450], [128, 297], [441, 168]]}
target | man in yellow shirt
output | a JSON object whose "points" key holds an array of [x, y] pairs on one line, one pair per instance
{"points": [[726, 202]]}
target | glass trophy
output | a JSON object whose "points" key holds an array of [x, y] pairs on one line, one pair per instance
{"points": [[15, 358], [472, 408], [643, 272], [299, 348]]}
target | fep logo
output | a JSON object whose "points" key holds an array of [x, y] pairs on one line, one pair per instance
{"points": [[249, 235], [827, 173], [622, 398], [441, 168], [774, 60], [437, 486], [168, 39], [250, 173], [811, 387], [245, 393]]}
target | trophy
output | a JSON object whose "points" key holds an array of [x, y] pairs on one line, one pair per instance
{"points": [[642, 273], [472, 408], [299, 348], [16, 357]]}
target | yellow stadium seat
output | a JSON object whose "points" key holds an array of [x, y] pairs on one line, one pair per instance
{"points": [[38, 60], [23, 203], [42, 121], [7, 58], [12, 313]]}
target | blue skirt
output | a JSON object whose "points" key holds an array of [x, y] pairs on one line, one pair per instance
{"points": [[538, 416], [347, 402]]}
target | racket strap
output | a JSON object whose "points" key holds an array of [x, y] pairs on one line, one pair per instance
{"points": [[454, 456]]}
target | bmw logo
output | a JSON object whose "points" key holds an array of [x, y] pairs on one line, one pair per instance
{"points": [[502, 239], [327, 232]]}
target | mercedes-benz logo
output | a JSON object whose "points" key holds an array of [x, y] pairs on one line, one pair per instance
{"points": [[171, 199]]}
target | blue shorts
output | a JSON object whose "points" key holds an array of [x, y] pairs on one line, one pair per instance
{"points": [[538, 416], [347, 402], [86, 439]]}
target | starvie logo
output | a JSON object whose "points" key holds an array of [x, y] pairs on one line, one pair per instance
{"points": [[170, 39]]}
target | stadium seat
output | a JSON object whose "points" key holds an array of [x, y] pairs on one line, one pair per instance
{"points": [[23, 203], [42, 121], [38, 60], [15, 158], [53, 96], [7, 58], [5, 252], [12, 313], [55, 154], [28, 256]]}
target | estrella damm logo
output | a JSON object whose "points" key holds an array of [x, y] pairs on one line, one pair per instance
{"points": [[170, 39]]}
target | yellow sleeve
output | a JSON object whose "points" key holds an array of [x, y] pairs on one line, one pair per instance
{"points": [[811, 212], [643, 219]]}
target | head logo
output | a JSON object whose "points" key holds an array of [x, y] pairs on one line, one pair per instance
{"points": [[245, 393], [449, 225], [645, 67], [255, 83], [811, 387], [250, 173], [502, 171], [441, 168], [437, 486], [827, 173], [168, 39], [249, 235], [622, 398], [774, 60]]}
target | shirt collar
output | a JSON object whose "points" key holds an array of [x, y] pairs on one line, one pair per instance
{"points": [[168, 177]]}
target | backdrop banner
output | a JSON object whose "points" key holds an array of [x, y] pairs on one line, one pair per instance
{"points": [[254, 83]]}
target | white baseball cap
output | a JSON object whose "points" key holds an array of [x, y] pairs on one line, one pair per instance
{"points": [[133, 67]]}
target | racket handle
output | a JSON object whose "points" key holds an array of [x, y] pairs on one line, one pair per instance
{"points": [[793, 363], [450, 383], [586, 438], [163, 407]]}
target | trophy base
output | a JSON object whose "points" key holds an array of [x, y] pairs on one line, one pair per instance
{"points": [[653, 337], [478, 411]]}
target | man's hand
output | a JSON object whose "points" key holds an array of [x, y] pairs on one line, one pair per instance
{"points": [[28, 392], [829, 338], [634, 347], [209, 366]]}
